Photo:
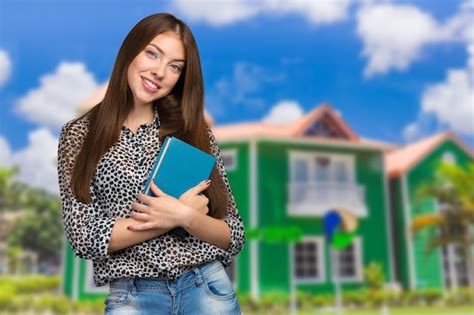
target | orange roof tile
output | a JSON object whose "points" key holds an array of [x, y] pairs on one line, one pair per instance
{"points": [[400, 161]]}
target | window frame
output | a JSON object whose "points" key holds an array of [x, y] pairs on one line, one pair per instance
{"points": [[358, 260], [320, 263]]}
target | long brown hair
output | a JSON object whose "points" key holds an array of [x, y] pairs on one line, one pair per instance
{"points": [[181, 112]]}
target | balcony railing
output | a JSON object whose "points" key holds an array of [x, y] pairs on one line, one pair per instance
{"points": [[315, 199]]}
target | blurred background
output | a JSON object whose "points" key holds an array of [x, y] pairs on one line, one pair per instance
{"points": [[365, 106]]}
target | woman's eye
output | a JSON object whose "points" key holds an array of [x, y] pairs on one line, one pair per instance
{"points": [[152, 53], [176, 67]]}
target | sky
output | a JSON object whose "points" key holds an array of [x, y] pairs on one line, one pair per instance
{"points": [[397, 71]]}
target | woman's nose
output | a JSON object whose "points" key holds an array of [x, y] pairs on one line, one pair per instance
{"points": [[158, 71]]}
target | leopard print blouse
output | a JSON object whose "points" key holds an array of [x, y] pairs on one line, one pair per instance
{"points": [[120, 176]]}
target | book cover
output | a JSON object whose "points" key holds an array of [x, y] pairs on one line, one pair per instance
{"points": [[178, 167]]}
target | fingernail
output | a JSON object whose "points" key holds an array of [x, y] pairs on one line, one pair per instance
{"points": [[208, 182], [129, 227]]}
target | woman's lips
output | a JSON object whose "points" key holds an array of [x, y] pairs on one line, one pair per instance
{"points": [[149, 85]]}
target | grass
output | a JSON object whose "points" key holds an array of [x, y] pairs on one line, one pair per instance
{"points": [[392, 311]]}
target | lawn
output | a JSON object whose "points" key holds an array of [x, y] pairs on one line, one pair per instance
{"points": [[392, 311]]}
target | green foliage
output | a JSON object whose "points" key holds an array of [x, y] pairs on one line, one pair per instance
{"points": [[275, 302], [374, 276], [40, 228], [322, 300], [462, 296], [31, 284]]}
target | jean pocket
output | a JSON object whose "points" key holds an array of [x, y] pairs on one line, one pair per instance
{"points": [[218, 285], [117, 297]]}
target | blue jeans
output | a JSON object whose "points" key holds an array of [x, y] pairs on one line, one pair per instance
{"points": [[204, 289]]}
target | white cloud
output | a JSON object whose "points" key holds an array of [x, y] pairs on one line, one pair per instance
{"points": [[395, 35], [241, 88], [224, 12], [216, 13], [316, 12], [36, 162], [284, 112], [5, 67], [450, 102], [5, 153], [54, 102]]}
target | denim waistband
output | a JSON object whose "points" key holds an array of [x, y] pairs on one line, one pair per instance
{"points": [[189, 277]]}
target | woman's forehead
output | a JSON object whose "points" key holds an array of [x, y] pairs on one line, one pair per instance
{"points": [[169, 44]]}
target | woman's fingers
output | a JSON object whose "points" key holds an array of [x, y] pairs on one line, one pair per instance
{"points": [[141, 227], [141, 208], [157, 191], [141, 216]]}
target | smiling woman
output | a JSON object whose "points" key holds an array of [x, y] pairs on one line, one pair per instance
{"points": [[104, 159]]}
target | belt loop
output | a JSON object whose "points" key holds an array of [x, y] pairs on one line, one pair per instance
{"points": [[198, 274]]}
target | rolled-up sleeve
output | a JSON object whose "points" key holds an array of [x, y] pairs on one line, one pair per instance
{"points": [[232, 218], [87, 226]]}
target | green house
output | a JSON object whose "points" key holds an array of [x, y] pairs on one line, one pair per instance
{"points": [[409, 168], [285, 178]]}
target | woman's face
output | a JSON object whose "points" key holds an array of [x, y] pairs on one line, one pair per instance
{"points": [[155, 70]]}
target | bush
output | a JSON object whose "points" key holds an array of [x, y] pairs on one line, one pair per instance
{"points": [[303, 300], [275, 302], [460, 297], [322, 300], [31, 284], [373, 275], [354, 298]]}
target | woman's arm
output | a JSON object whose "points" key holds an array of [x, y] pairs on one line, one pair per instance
{"points": [[208, 229], [226, 233], [122, 237]]}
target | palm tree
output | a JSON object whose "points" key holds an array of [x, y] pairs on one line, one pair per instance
{"points": [[453, 188]]}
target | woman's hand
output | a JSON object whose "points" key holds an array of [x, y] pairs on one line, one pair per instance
{"points": [[193, 199], [163, 211]]}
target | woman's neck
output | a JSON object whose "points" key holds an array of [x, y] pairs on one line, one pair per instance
{"points": [[140, 114]]}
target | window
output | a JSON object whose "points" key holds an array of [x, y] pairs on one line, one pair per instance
{"points": [[229, 157], [322, 168], [350, 262], [448, 157], [322, 165], [341, 172], [300, 172], [308, 260]]}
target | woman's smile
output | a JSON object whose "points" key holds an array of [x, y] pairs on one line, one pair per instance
{"points": [[150, 86]]}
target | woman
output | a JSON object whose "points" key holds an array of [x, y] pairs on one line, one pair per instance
{"points": [[104, 159]]}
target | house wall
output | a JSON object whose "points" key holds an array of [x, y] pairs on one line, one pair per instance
{"points": [[399, 232], [273, 172], [239, 181], [428, 266]]}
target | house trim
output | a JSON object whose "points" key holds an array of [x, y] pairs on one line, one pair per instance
{"points": [[253, 193], [359, 277], [408, 233], [321, 261], [389, 226]]}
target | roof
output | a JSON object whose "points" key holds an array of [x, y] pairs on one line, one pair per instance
{"points": [[400, 161], [292, 130]]}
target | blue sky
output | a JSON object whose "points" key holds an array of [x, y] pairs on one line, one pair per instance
{"points": [[396, 70]]}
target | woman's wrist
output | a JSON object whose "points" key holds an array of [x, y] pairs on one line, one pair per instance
{"points": [[188, 216]]}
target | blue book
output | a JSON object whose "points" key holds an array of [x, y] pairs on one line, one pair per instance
{"points": [[178, 167]]}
